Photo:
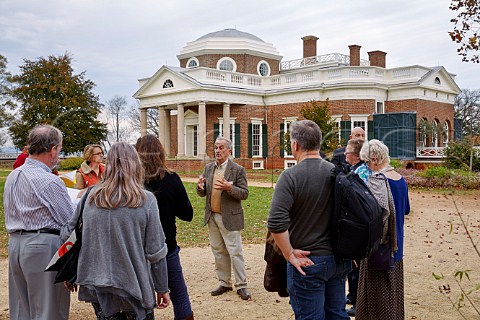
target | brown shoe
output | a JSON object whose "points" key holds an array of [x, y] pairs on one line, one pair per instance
{"points": [[220, 290], [244, 294]]}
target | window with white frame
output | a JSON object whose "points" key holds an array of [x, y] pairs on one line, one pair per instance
{"points": [[423, 126], [263, 68], [256, 138], [289, 163], [257, 165], [227, 64], [445, 134], [336, 119], [379, 107], [434, 133], [232, 132], [287, 153], [359, 120], [192, 62]]}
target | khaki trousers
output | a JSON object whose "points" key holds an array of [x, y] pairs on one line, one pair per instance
{"points": [[227, 250]]}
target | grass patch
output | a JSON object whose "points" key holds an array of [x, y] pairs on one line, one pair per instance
{"points": [[195, 234]]}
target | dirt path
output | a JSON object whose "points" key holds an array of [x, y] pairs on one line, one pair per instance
{"points": [[429, 247]]}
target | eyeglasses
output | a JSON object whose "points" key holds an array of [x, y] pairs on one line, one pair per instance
{"points": [[98, 154]]}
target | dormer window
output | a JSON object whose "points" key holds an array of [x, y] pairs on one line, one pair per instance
{"points": [[168, 84], [227, 64], [263, 68], [192, 63]]}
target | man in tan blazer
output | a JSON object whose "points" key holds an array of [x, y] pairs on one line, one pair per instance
{"points": [[224, 184]]}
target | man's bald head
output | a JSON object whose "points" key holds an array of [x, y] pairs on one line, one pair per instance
{"points": [[357, 133]]}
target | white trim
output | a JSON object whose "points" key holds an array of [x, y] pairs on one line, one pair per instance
{"points": [[289, 163], [337, 119], [376, 107], [232, 132], [254, 121], [219, 62], [192, 59], [446, 135], [434, 137], [359, 118], [287, 120], [269, 68], [259, 163]]}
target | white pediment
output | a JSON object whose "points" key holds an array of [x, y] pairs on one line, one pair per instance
{"points": [[165, 81], [439, 79]]}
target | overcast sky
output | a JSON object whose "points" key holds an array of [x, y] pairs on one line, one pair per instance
{"points": [[118, 42]]}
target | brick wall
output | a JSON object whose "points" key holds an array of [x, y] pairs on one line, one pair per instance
{"points": [[274, 116], [245, 63]]}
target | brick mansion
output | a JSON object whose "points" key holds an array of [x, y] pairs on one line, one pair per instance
{"points": [[234, 84]]}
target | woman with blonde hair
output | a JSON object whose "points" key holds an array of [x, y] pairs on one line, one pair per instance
{"points": [[173, 202], [381, 291], [91, 170], [122, 260]]}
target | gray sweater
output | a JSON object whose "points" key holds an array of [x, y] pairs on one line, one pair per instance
{"points": [[120, 250], [302, 203]]}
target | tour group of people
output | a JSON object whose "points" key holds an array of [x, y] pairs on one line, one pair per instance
{"points": [[129, 262]]}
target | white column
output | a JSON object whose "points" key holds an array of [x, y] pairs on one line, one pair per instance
{"points": [[180, 130], [226, 120], [143, 122], [167, 132], [161, 125], [202, 132]]}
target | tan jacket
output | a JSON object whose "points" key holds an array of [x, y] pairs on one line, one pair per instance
{"points": [[232, 210]]}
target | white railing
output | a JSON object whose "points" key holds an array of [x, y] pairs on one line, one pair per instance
{"points": [[334, 74], [430, 152], [336, 58]]}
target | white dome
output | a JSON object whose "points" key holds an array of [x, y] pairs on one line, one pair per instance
{"points": [[230, 33], [229, 41]]}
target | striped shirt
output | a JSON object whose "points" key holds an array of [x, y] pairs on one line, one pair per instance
{"points": [[34, 198]]}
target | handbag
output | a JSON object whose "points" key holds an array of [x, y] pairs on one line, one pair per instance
{"points": [[65, 260], [382, 259], [275, 276]]}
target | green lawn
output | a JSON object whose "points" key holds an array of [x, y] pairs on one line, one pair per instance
{"points": [[190, 234]]}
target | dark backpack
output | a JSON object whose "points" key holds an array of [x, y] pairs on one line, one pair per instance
{"points": [[357, 219]]}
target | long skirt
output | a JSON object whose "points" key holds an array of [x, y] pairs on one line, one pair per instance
{"points": [[380, 293]]}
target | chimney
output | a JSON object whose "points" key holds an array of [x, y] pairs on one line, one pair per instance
{"points": [[354, 55], [377, 58], [309, 46]]}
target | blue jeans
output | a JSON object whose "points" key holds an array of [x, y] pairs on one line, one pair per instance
{"points": [[320, 294], [182, 308]]}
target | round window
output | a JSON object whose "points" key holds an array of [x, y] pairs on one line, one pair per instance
{"points": [[192, 63], [263, 69], [227, 64]]}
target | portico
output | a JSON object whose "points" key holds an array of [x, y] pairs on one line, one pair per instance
{"points": [[191, 128]]}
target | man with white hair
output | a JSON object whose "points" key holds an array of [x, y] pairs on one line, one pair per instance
{"points": [[224, 185]]}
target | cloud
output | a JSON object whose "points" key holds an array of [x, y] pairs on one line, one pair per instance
{"points": [[117, 42]]}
